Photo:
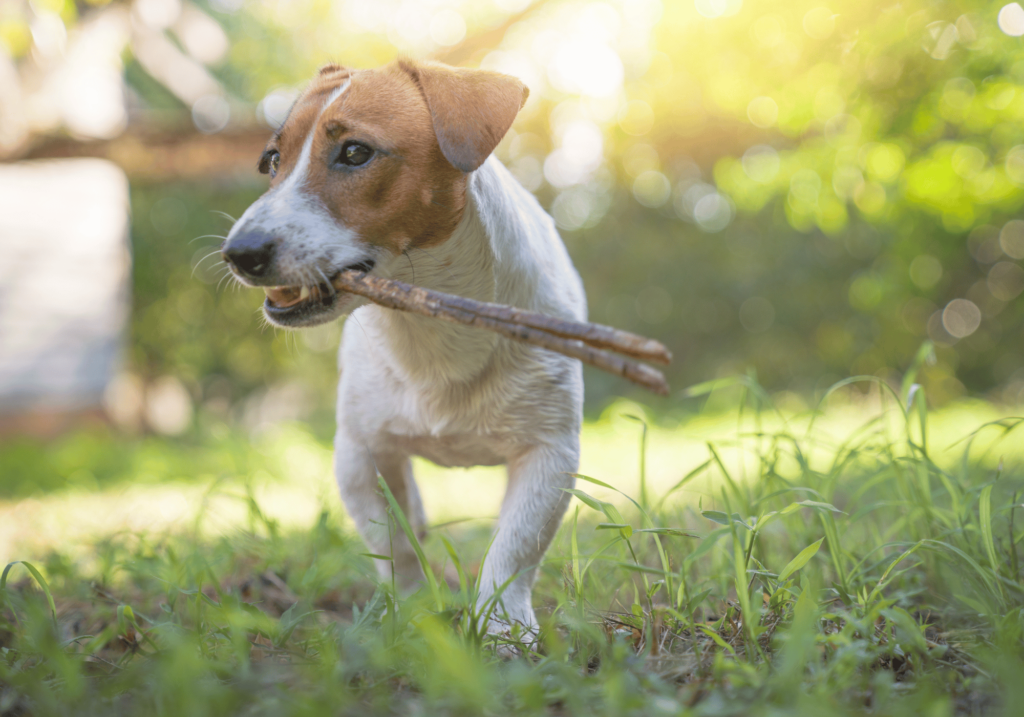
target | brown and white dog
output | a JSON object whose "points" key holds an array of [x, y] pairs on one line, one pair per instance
{"points": [[389, 170]]}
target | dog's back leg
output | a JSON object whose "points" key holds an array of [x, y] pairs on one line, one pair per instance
{"points": [[530, 515], [356, 470]]}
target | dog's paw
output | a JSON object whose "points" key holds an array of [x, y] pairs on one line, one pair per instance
{"points": [[510, 638]]}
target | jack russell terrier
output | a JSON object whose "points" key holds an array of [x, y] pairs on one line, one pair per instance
{"points": [[389, 171]]}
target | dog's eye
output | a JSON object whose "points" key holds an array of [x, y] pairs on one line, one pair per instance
{"points": [[270, 162], [354, 154]]}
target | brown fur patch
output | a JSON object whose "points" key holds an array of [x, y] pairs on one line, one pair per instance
{"points": [[409, 193], [471, 109]]}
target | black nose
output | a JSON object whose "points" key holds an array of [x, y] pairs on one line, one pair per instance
{"points": [[250, 253]]}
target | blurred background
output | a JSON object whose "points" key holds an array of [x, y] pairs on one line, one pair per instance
{"points": [[794, 190]]}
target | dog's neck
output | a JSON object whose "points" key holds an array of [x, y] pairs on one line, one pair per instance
{"points": [[462, 265], [428, 350]]}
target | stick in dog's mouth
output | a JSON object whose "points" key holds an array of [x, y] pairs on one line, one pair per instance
{"points": [[285, 297], [594, 344], [591, 343]]}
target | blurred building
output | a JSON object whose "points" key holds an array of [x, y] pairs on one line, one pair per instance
{"points": [[64, 289]]}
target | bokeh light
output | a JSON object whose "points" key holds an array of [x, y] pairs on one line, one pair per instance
{"points": [[1011, 19], [728, 175]]}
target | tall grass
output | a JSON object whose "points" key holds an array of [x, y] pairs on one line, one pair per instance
{"points": [[803, 574]]}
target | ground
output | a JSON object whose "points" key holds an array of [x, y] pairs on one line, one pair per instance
{"points": [[756, 562]]}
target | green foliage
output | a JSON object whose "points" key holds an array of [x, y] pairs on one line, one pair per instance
{"points": [[868, 159], [190, 320], [898, 592]]}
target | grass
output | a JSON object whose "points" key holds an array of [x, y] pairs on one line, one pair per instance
{"points": [[766, 564]]}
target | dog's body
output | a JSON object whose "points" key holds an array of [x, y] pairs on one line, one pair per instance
{"points": [[461, 396], [411, 385]]}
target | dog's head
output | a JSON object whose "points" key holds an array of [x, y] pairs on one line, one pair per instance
{"points": [[368, 164]]}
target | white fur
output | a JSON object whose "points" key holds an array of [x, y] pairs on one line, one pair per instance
{"points": [[456, 395], [314, 238], [461, 396]]}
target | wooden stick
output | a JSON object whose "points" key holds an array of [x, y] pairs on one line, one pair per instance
{"points": [[571, 338], [597, 335]]}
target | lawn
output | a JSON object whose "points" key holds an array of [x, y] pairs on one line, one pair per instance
{"points": [[862, 559]]}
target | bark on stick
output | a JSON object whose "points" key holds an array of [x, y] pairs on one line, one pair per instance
{"points": [[590, 343]]}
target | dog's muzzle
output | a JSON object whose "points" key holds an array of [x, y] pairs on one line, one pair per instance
{"points": [[250, 253]]}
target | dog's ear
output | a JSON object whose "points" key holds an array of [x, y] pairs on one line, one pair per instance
{"points": [[329, 68], [471, 109]]}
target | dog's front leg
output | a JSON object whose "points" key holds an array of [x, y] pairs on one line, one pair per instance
{"points": [[530, 515], [356, 468]]}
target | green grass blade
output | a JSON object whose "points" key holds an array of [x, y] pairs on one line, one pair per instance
{"points": [[925, 354], [801, 559], [739, 559], [683, 481], [668, 531], [643, 461], [702, 389], [39, 579], [725, 472], [706, 544], [986, 576], [718, 639], [595, 481], [588, 500], [985, 517], [624, 528], [403, 522], [457, 562], [835, 551], [576, 577]]}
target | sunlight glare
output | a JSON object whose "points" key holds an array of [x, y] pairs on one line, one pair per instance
{"points": [[586, 67], [447, 28], [580, 153], [1011, 19], [763, 112]]}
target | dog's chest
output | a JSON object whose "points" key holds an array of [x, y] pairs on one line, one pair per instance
{"points": [[434, 424], [455, 450]]}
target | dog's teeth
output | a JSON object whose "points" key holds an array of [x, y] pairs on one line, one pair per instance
{"points": [[304, 294]]}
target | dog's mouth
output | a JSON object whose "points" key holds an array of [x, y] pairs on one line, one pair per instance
{"points": [[306, 300]]}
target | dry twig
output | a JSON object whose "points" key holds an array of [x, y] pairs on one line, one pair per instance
{"points": [[590, 343]]}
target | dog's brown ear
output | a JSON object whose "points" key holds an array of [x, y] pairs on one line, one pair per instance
{"points": [[329, 68], [471, 109]]}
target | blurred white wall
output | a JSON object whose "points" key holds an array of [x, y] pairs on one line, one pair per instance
{"points": [[64, 283]]}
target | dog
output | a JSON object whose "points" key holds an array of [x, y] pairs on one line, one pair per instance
{"points": [[390, 171]]}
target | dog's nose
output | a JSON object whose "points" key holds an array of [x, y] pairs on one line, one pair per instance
{"points": [[250, 253]]}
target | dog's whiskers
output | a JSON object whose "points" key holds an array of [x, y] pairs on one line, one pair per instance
{"points": [[264, 321], [198, 263], [222, 272], [228, 276], [209, 236], [330, 286], [225, 215]]}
